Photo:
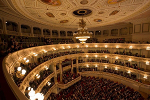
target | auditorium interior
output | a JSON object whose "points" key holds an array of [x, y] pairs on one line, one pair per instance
{"points": [[75, 49]]}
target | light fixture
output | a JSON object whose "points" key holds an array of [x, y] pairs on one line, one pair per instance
{"points": [[116, 68], [19, 69], [44, 51], [87, 65], [129, 71], [105, 56], [82, 33], [145, 76], [46, 67], [48, 83], [68, 46], [37, 96], [95, 65], [24, 58], [23, 72], [117, 46], [130, 47], [86, 45], [116, 57], [63, 47], [95, 55], [147, 62], [147, 48], [37, 76], [29, 88], [54, 48], [77, 46], [95, 45], [86, 55], [130, 59], [105, 46], [105, 66], [6, 22], [27, 61]]}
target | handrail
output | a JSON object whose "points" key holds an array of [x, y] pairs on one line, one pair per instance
{"points": [[64, 86], [126, 81]]}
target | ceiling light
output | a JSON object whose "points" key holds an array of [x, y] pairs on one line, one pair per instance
{"points": [[48, 83], [82, 33], [27, 61], [24, 58]]}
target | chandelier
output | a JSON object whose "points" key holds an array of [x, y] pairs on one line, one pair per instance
{"points": [[82, 33]]}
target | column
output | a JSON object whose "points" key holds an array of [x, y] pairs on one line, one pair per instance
{"points": [[66, 33], [61, 71], [19, 29], [71, 65], [4, 26], [50, 33], [59, 33], [118, 31], [42, 32], [77, 67], [32, 31], [55, 76]]}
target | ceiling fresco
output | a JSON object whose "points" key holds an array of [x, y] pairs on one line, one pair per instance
{"points": [[95, 12]]}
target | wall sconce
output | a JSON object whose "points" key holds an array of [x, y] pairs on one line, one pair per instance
{"points": [[96, 66], [37, 76], [19, 69], [129, 71], [130, 47], [87, 65], [130, 59], [105, 56], [96, 56], [27, 61], [77, 46], [147, 48], [86, 55], [63, 47], [95, 45], [54, 48], [46, 67], [105, 46], [86, 45], [116, 57], [116, 68], [69, 47], [23, 72], [48, 83], [117, 46], [105, 66], [24, 58], [147, 62], [145, 76]]}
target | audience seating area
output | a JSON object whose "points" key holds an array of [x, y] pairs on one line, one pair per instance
{"points": [[95, 88]]}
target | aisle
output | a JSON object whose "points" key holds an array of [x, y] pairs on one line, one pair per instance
{"points": [[5, 91]]}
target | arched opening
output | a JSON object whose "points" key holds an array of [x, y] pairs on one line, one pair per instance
{"points": [[25, 29], [97, 32], [11, 26], [62, 33], [36, 30], [54, 33], [105, 32], [69, 33], [46, 32], [114, 32]]}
